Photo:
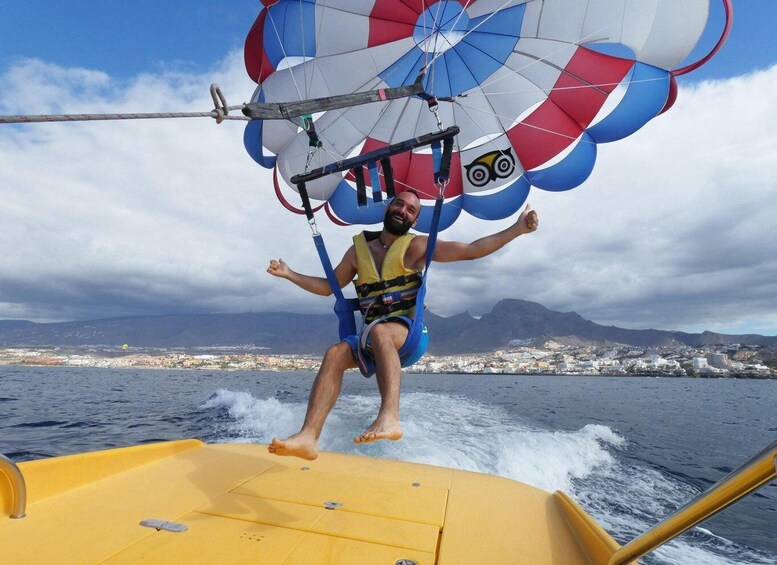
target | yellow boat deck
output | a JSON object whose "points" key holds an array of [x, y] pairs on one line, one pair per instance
{"points": [[243, 505]]}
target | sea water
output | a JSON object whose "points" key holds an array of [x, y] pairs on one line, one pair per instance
{"points": [[629, 450]]}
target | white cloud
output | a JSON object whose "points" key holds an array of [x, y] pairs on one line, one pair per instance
{"points": [[671, 231]]}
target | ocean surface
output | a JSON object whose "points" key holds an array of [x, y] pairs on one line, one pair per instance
{"points": [[629, 450]]}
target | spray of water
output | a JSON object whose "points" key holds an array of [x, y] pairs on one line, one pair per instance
{"points": [[626, 498]]}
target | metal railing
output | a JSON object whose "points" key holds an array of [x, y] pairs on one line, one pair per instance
{"points": [[18, 486], [757, 472]]}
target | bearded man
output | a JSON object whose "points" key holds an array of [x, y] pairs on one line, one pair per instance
{"points": [[396, 256]]}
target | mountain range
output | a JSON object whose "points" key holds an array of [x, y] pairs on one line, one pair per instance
{"points": [[283, 332]]}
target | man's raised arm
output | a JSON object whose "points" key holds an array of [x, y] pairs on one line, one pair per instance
{"points": [[344, 272], [447, 251]]}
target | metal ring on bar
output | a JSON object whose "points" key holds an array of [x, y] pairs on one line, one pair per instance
{"points": [[311, 154], [313, 226], [434, 109], [441, 185], [219, 112]]}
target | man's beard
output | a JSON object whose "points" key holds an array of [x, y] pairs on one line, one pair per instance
{"points": [[394, 227]]}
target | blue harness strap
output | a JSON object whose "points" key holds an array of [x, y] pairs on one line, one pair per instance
{"points": [[343, 306], [377, 195]]}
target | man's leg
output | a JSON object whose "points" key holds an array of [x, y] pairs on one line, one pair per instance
{"points": [[386, 339], [323, 395]]}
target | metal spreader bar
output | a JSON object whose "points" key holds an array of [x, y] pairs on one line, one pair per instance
{"points": [[377, 155]]}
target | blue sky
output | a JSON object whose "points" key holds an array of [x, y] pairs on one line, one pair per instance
{"points": [[752, 44], [126, 38], [130, 218]]}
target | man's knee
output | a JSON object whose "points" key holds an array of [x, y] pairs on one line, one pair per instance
{"points": [[380, 333], [339, 354], [337, 351], [388, 333]]}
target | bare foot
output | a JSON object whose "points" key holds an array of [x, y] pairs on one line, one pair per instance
{"points": [[298, 445], [381, 428]]}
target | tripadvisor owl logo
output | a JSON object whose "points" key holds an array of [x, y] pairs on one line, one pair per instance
{"points": [[490, 166]]}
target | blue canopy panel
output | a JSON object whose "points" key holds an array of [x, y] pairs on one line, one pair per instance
{"points": [[290, 31], [252, 140], [499, 204], [647, 92], [571, 171], [344, 205], [467, 51], [451, 210]]}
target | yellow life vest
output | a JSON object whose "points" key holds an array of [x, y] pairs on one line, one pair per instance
{"points": [[393, 290]]}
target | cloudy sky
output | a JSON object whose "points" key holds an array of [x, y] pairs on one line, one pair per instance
{"points": [[673, 230]]}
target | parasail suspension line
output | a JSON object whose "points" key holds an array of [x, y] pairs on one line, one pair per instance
{"points": [[219, 113], [251, 110]]}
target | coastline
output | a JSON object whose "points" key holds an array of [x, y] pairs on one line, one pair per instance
{"points": [[243, 359]]}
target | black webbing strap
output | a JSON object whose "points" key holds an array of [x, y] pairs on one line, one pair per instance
{"points": [[288, 110], [364, 289], [445, 163], [361, 187], [388, 177], [381, 310], [303, 192]]}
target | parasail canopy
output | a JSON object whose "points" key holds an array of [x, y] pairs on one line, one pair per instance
{"points": [[533, 85]]}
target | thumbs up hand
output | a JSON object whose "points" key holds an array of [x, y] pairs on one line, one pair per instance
{"points": [[528, 221]]}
